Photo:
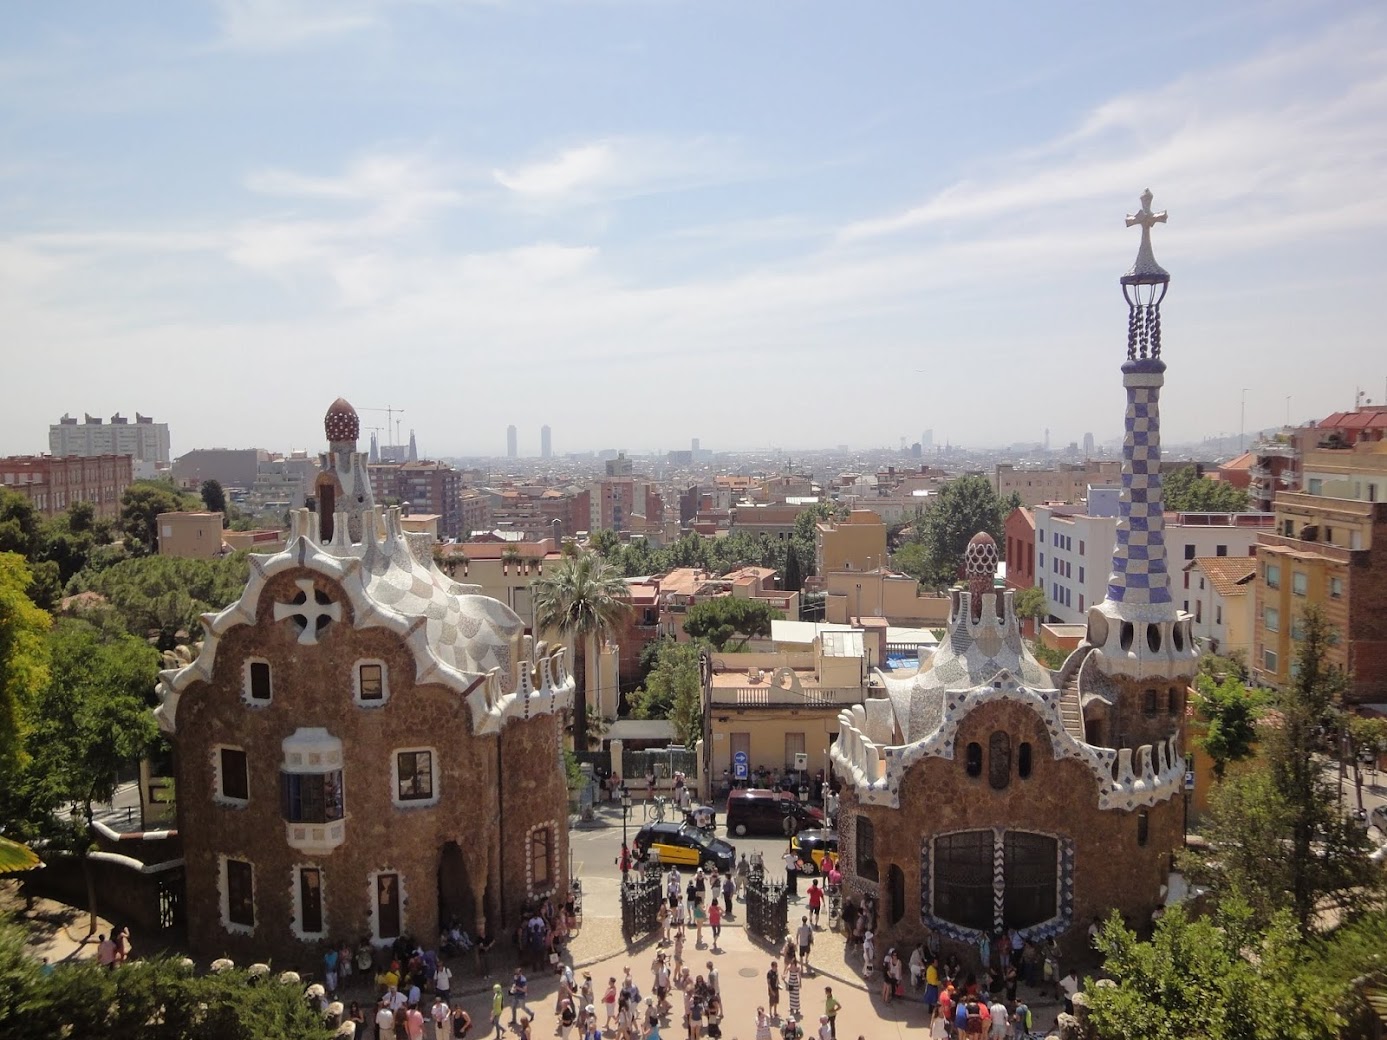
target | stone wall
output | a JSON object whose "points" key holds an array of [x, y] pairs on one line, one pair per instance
{"points": [[1110, 869]]}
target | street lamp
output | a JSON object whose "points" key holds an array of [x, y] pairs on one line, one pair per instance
{"points": [[625, 811]]}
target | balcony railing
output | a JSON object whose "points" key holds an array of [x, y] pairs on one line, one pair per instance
{"points": [[766, 696]]}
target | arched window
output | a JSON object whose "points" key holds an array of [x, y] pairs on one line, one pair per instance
{"points": [[963, 879], [1023, 760], [1153, 638], [1125, 638], [999, 760], [1173, 704], [973, 759]]}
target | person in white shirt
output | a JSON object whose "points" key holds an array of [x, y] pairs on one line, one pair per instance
{"points": [[1069, 985], [1000, 1020], [442, 981], [385, 1022], [441, 1015]]}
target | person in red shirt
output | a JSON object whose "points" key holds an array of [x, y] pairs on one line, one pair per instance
{"points": [[715, 920], [816, 901]]}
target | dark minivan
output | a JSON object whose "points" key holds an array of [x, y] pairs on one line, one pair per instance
{"points": [[761, 811]]}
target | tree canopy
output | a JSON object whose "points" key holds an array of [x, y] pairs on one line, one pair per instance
{"points": [[165, 594], [23, 660], [673, 690], [1230, 711], [1186, 491], [140, 507], [720, 620], [962, 508], [213, 497]]}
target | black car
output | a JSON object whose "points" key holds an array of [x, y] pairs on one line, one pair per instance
{"points": [[681, 845]]}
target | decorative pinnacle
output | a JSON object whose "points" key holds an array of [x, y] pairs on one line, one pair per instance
{"points": [[1145, 270]]}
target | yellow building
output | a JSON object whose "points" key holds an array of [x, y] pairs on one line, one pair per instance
{"points": [[773, 706], [1358, 472], [1218, 593], [884, 594], [857, 543], [195, 536], [1331, 552]]}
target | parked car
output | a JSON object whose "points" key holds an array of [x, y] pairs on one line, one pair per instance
{"points": [[812, 845], [761, 811], [1378, 818], [682, 845]]}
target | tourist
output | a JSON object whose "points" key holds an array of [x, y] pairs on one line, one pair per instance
{"points": [[519, 987], [715, 921], [385, 1022], [123, 945], [763, 1025], [888, 978], [869, 953], [485, 942], [498, 1004], [625, 1023], [792, 986], [743, 872], [660, 970], [791, 1030], [804, 939], [330, 960], [931, 997], [1069, 986], [414, 1022], [773, 989], [831, 1008], [700, 915], [609, 1002], [462, 1023], [825, 1028], [791, 860], [816, 900], [998, 1014], [439, 1014], [1021, 1019], [443, 981], [105, 952]]}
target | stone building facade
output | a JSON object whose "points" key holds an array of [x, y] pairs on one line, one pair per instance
{"points": [[986, 792], [363, 747]]}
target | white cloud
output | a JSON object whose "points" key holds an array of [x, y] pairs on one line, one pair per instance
{"points": [[278, 24], [571, 170]]}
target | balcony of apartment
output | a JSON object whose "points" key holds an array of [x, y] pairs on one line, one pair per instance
{"points": [[783, 686], [1253, 520]]}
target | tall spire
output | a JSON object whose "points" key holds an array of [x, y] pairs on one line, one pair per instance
{"points": [[1140, 577]]}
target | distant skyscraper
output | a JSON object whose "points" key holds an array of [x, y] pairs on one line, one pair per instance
{"points": [[512, 444], [1088, 444], [1047, 438], [693, 445], [927, 439], [546, 444]]}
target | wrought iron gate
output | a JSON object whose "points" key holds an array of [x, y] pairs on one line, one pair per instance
{"points": [[767, 907], [641, 894], [171, 900]]}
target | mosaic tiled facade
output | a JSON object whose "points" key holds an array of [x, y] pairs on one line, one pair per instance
{"points": [[997, 794]]}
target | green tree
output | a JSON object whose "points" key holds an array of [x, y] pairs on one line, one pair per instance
{"points": [[1230, 711], [1186, 491], [721, 619], [19, 525], [962, 508], [1217, 979], [91, 720], [673, 690], [164, 595], [793, 576], [213, 497], [583, 598], [1030, 602], [23, 660], [140, 507], [1367, 739]]}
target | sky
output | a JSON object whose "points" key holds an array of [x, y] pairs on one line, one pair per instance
{"points": [[762, 223]]}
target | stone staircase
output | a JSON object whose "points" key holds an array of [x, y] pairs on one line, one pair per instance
{"points": [[1071, 713]]}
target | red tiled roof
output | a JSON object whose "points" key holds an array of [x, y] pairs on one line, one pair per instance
{"points": [[1229, 575]]}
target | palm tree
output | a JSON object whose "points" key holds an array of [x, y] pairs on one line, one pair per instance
{"points": [[14, 856], [582, 598]]}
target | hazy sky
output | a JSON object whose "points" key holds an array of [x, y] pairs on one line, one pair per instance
{"points": [[757, 222]]}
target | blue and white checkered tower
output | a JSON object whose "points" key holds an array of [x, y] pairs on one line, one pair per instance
{"points": [[1137, 626]]}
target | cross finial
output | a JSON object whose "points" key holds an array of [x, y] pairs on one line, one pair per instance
{"points": [[1145, 270]]}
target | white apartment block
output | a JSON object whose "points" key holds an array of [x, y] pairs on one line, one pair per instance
{"points": [[1073, 549], [144, 439]]}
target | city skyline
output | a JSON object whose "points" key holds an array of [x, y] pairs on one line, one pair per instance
{"points": [[535, 200]]}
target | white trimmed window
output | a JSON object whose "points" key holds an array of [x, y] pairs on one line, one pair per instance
{"points": [[386, 893], [237, 884], [414, 777], [258, 688], [310, 912], [231, 776], [371, 683]]}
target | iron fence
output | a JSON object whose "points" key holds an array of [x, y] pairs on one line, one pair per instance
{"points": [[641, 894], [767, 909], [663, 762]]}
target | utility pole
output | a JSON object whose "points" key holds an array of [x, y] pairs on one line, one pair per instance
{"points": [[1242, 423]]}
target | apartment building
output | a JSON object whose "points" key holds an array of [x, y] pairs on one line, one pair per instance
{"points": [[144, 440], [1220, 592], [428, 487], [194, 536], [1331, 552], [1065, 483], [855, 543], [56, 484]]}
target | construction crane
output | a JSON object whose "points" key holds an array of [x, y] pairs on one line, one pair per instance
{"points": [[390, 420]]}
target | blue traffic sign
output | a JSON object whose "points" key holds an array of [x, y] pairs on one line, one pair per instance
{"points": [[739, 765]]}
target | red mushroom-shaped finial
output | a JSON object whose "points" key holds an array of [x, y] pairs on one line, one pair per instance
{"points": [[341, 422]]}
